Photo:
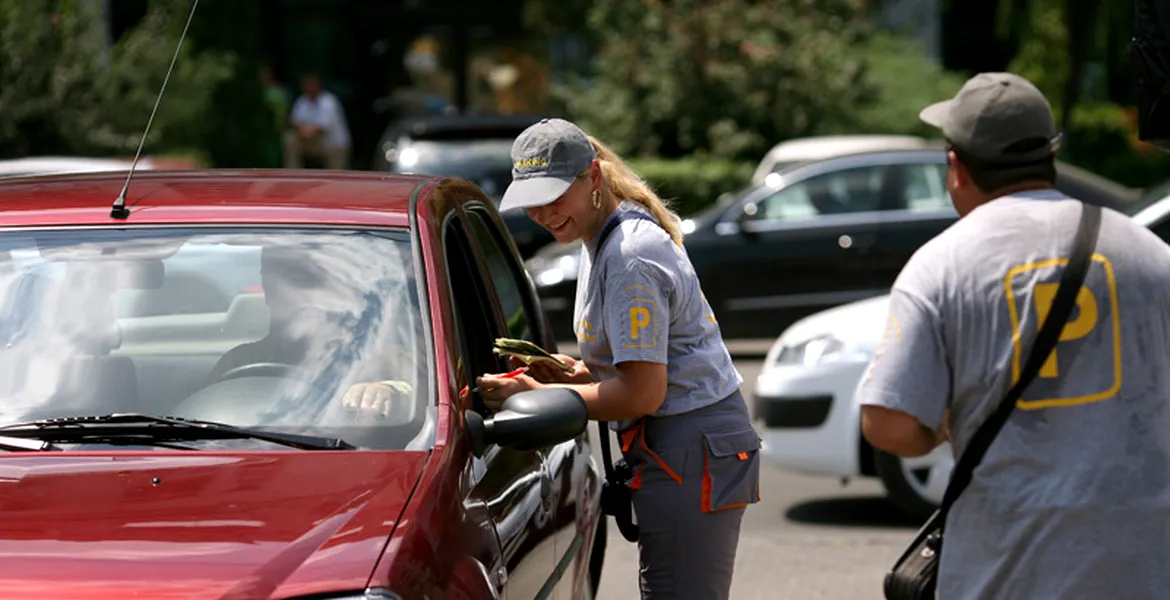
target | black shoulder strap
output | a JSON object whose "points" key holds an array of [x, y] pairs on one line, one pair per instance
{"points": [[612, 224], [1070, 285], [603, 426]]}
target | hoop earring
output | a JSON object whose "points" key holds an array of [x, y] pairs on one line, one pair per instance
{"points": [[596, 200]]}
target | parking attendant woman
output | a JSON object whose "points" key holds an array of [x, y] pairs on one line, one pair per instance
{"points": [[653, 362]]}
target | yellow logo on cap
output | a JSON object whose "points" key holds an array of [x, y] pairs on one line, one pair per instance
{"points": [[530, 162]]}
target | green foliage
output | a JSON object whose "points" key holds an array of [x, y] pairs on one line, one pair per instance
{"points": [[720, 77], [63, 90], [1102, 140], [691, 184], [906, 81], [1042, 58]]}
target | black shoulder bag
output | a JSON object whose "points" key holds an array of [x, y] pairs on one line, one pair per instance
{"points": [[616, 496], [915, 574]]}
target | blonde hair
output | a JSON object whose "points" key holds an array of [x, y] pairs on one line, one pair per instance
{"points": [[624, 184]]}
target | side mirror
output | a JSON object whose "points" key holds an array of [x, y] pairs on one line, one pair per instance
{"points": [[748, 213], [530, 420]]}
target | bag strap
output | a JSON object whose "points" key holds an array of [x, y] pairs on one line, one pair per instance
{"points": [[612, 224], [1070, 285]]}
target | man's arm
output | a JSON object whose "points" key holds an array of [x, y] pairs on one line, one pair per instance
{"points": [[897, 432], [905, 392]]}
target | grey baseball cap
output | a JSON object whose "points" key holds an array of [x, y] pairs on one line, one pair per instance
{"points": [[546, 159], [991, 113]]}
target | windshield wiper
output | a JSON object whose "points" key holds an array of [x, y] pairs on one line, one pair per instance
{"points": [[152, 428], [17, 444]]}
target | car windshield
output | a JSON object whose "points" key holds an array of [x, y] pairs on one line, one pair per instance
{"points": [[264, 329], [485, 162]]}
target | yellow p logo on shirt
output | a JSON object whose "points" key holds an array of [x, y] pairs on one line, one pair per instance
{"points": [[1076, 329], [639, 320]]}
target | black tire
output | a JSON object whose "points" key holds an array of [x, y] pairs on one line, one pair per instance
{"points": [[901, 493], [597, 555]]}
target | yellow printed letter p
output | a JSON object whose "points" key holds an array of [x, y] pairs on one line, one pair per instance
{"points": [[1073, 330], [639, 319]]}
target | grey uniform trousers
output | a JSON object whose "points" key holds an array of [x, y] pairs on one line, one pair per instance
{"points": [[696, 473]]}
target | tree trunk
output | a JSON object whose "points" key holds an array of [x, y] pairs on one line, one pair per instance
{"points": [[1080, 19]]}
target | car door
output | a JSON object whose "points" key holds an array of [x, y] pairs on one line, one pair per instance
{"points": [[919, 208], [793, 250], [518, 485]]}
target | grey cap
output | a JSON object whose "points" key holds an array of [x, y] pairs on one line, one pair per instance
{"points": [[546, 159], [992, 112]]}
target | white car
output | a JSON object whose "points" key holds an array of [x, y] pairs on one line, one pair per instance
{"points": [[806, 149], [804, 395], [51, 165]]}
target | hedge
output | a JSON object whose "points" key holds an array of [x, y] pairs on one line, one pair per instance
{"points": [[1103, 139], [691, 184]]}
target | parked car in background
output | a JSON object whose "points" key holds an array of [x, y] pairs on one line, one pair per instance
{"points": [[476, 147], [44, 165], [790, 153], [818, 235], [805, 399], [139, 465]]}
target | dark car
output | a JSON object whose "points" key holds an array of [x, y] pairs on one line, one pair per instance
{"points": [[159, 448], [817, 235], [476, 147]]}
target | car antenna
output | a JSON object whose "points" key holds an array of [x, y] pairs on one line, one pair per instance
{"points": [[119, 211]]}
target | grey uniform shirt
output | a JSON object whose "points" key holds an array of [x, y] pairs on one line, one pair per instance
{"points": [[1072, 499], [641, 301]]}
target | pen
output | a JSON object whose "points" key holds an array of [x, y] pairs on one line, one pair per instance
{"points": [[508, 375]]}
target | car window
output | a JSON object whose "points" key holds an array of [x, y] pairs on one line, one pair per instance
{"points": [[504, 279], [925, 188], [200, 279], [472, 304], [852, 190], [91, 314]]}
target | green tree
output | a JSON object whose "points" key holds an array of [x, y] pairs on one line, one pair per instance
{"points": [[724, 77], [65, 90]]}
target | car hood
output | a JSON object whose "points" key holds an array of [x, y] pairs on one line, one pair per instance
{"points": [[860, 324], [167, 525]]}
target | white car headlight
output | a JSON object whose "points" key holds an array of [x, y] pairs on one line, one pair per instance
{"points": [[817, 350]]}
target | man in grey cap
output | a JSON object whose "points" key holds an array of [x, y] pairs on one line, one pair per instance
{"points": [[1072, 498]]}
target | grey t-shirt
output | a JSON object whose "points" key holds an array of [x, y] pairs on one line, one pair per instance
{"points": [[644, 303], [1072, 499]]}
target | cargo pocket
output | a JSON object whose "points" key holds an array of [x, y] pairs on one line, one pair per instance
{"points": [[731, 471]]}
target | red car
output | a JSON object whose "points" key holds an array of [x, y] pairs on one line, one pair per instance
{"points": [[181, 393]]}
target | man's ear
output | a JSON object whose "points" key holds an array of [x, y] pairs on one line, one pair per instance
{"points": [[959, 176]]}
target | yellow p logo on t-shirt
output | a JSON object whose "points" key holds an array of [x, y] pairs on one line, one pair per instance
{"points": [[639, 320]]}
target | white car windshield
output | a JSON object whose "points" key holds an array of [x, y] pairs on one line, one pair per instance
{"points": [[263, 328]]}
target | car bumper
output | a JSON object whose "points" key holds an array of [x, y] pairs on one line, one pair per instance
{"points": [[809, 417]]}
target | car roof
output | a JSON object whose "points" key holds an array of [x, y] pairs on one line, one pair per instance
{"points": [[833, 144], [213, 196], [466, 126], [1101, 188]]}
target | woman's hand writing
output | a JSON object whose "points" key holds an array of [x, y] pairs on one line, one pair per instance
{"points": [[546, 372], [494, 389]]}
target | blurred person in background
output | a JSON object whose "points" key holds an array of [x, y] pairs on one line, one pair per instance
{"points": [[276, 101], [318, 130]]}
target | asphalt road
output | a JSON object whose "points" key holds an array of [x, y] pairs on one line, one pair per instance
{"points": [[807, 538]]}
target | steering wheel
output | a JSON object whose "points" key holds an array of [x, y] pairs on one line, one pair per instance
{"points": [[263, 369]]}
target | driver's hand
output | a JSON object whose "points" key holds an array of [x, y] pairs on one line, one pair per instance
{"points": [[376, 398]]}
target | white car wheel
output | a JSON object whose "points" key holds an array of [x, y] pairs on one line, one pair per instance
{"points": [[916, 485]]}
